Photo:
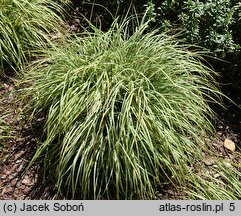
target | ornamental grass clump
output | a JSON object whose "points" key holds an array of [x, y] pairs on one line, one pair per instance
{"points": [[123, 112], [25, 26]]}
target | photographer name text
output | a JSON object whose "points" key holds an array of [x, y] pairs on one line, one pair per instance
{"points": [[43, 207]]}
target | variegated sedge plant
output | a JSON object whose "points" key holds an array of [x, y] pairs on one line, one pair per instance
{"points": [[125, 111]]}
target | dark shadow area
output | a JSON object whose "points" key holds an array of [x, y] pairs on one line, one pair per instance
{"points": [[15, 182]]}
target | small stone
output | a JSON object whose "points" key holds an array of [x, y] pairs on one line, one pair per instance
{"points": [[209, 161], [7, 172], [13, 183], [220, 127], [171, 192], [18, 161], [215, 144], [3, 177], [27, 182], [229, 144], [216, 175], [159, 195], [20, 168]]}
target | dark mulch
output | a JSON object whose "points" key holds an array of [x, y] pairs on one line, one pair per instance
{"points": [[16, 152]]}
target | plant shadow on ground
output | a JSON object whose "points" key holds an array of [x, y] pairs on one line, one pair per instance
{"points": [[16, 153], [15, 183], [229, 119]]}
